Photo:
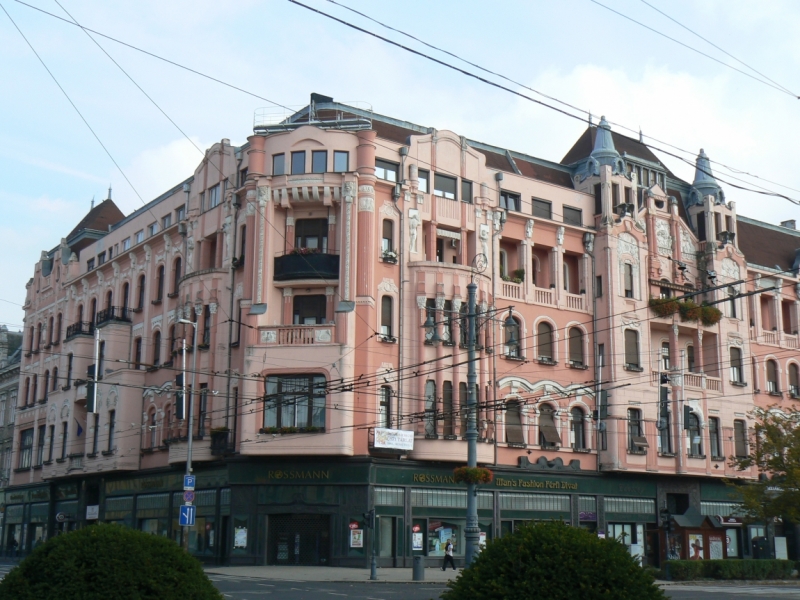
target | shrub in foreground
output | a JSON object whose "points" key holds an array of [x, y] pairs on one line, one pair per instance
{"points": [[685, 570], [108, 561], [557, 562]]}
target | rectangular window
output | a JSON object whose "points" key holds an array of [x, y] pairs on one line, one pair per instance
{"points": [[278, 164], [664, 436], [740, 438], [95, 432], [126, 243], [203, 412], [90, 264], [386, 170], [202, 201], [295, 401], [166, 221], [423, 179], [542, 209], [341, 161], [52, 443], [387, 243], [111, 424], [614, 196], [573, 216], [40, 445], [713, 437], [598, 286], [636, 440], [737, 368], [213, 196], [319, 161], [180, 213], [152, 229], [64, 438], [298, 163], [598, 198], [101, 258], [25, 448], [510, 201], [628, 280], [466, 191], [206, 326], [138, 237], [137, 353], [310, 310], [631, 348], [446, 187], [242, 176]]}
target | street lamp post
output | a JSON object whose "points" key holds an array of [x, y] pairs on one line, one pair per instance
{"points": [[191, 407], [472, 531]]}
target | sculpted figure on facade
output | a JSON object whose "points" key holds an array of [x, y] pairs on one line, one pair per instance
{"points": [[485, 240], [413, 225]]}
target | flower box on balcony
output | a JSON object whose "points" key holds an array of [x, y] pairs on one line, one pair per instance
{"points": [[389, 256]]}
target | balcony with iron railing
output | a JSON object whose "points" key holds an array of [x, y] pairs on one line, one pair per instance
{"points": [[119, 314], [80, 328], [301, 264]]}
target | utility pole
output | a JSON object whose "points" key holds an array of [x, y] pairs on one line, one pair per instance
{"points": [[472, 531], [191, 408]]}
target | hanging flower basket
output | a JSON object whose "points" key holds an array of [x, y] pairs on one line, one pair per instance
{"points": [[710, 315], [476, 475], [690, 311], [663, 307]]}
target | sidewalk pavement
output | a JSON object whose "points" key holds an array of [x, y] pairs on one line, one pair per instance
{"points": [[331, 574]]}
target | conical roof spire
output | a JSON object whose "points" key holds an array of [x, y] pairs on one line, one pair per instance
{"points": [[604, 151], [704, 182]]}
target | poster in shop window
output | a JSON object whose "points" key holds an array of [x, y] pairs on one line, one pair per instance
{"points": [[695, 546], [356, 538], [240, 537], [416, 542], [715, 547]]}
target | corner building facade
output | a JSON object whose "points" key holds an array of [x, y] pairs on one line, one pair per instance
{"points": [[325, 264]]}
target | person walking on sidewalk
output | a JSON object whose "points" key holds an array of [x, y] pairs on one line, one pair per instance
{"points": [[448, 556]]}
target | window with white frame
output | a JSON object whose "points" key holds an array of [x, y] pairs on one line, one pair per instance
{"points": [[295, 401]]}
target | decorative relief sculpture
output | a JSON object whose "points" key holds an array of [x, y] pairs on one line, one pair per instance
{"points": [[560, 236], [484, 234], [687, 245], [663, 238], [626, 244], [529, 229]]}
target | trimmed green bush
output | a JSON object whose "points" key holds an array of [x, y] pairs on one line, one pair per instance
{"points": [[108, 561], [732, 568], [554, 561]]}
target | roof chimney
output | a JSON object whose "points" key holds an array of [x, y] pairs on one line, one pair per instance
{"points": [[790, 224]]}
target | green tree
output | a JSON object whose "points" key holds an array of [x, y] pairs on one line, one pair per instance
{"points": [[108, 561], [554, 561], [774, 450]]}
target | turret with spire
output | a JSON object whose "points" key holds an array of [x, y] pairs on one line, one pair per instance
{"points": [[704, 183], [604, 152]]}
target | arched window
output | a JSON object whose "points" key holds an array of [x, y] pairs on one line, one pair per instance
{"points": [[512, 339], [126, 288], [137, 353], [156, 348], [514, 433], [38, 336], [695, 440], [140, 293], [109, 298], [576, 347], [50, 333], [690, 358], [57, 333], [772, 377], [160, 283], [578, 431], [430, 407], [385, 407], [93, 319], [632, 349], [35, 389], [794, 380], [32, 339], [80, 313], [46, 386], [55, 378], [548, 434], [544, 341], [636, 440], [176, 273], [27, 390], [172, 341], [386, 316], [448, 408]]}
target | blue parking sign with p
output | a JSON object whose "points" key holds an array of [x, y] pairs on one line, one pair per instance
{"points": [[186, 518], [188, 482]]}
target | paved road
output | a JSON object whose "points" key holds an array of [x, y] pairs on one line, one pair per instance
{"points": [[733, 592], [254, 589], [238, 588]]}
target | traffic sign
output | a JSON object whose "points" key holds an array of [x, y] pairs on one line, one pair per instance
{"points": [[186, 518], [188, 482], [188, 496]]}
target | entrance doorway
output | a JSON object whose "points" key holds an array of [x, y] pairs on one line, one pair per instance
{"points": [[298, 540]]}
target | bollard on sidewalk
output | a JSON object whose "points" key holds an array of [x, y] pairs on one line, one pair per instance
{"points": [[419, 569]]}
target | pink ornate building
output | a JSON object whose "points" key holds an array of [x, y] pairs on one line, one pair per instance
{"points": [[325, 263]]}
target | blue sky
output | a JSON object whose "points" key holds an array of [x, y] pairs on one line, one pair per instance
{"points": [[51, 166]]}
